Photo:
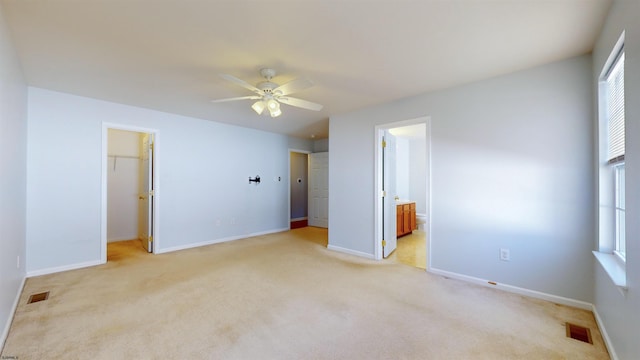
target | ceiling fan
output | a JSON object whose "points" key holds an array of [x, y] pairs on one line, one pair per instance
{"points": [[270, 94]]}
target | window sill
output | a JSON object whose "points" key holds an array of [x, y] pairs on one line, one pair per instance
{"points": [[614, 267]]}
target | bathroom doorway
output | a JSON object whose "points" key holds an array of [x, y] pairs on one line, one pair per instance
{"points": [[408, 206]]}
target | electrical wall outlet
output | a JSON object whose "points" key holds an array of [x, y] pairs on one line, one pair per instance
{"points": [[505, 254]]}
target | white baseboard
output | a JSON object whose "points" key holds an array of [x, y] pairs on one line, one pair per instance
{"points": [[350, 252], [514, 289], [217, 241], [63, 268], [300, 219], [605, 335], [7, 326], [159, 251]]}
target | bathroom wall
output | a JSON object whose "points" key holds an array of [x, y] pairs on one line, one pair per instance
{"points": [[411, 164], [403, 153], [418, 174]]}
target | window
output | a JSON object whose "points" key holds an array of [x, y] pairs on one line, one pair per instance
{"points": [[615, 116], [611, 167], [620, 245]]}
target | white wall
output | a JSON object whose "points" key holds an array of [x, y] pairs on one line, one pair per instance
{"points": [[203, 171], [321, 145], [402, 168], [300, 144], [418, 174], [123, 143], [13, 177], [619, 310], [123, 183], [511, 168]]}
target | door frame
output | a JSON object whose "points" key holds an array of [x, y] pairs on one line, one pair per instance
{"points": [[388, 186], [298, 151], [378, 132], [156, 183]]}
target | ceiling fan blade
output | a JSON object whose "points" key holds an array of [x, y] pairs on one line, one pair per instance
{"points": [[300, 103], [293, 86], [242, 83], [253, 97]]}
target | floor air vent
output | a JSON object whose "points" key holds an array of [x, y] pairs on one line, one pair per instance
{"points": [[579, 333], [38, 297]]}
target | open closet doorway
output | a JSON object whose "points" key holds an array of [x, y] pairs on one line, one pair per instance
{"points": [[298, 188], [129, 191], [308, 189], [402, 192]]}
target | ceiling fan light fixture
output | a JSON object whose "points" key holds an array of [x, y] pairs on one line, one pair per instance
{"points": [[269, 95], [273, 105], [258, 107], [276, 112]]}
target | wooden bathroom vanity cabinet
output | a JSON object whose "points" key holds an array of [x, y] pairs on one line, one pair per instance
{"points": [[405, 218]]}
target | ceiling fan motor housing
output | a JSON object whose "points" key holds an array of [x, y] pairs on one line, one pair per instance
{"points": [[267, 87], [267, 73]]}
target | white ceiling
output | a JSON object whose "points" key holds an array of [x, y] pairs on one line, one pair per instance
{"points": [[167, 55]]}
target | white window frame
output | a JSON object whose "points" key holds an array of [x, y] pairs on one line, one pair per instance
{"points": [[620, 245]]}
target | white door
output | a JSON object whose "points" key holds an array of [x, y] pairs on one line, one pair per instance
{"points": [[145, 196], [319, 189], [389, 240]]}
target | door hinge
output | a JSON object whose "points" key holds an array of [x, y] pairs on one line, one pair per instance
{"points": [[152, 193], [150, 238], [384, 242], [383, 193], [151, 145], [384, 144]]}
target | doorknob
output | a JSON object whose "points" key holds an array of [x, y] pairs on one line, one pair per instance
{"points": [[141, 197]]}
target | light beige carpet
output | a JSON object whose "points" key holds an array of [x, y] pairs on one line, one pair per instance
{"points": [[281, 296]]}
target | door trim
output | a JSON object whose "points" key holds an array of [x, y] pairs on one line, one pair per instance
{"points": [[378, 131], [103, 201]]}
